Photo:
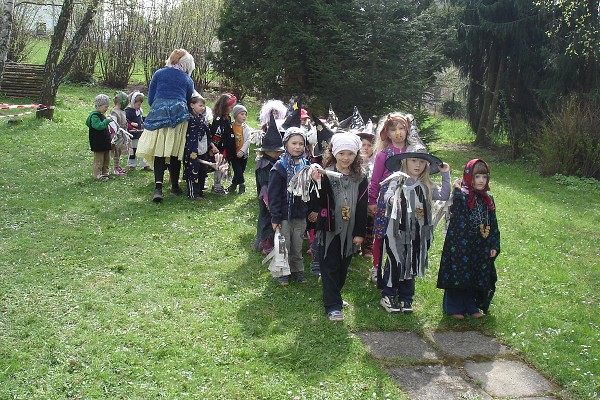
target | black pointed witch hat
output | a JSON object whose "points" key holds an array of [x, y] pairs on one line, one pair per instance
{"points": [[324, 135], [355, 121], [272, 140], [294, 118]]}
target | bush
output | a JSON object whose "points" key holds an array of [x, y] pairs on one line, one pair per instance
{"points": [[453, 109], [569, 142]]}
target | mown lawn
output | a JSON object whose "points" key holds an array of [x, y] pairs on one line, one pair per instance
{"points": [[105, 294]]}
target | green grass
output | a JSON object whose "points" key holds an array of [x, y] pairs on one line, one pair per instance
{"points": [[107, 295]]}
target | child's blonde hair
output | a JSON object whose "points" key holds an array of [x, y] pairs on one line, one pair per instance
{"points": [[391, 120], [424, 178]]}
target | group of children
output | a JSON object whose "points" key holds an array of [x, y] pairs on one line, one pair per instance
{"points": [[372, 191], [367, 190], [116, 134]]}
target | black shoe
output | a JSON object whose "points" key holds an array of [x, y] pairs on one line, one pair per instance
{"points": [[231, 188], [406, 307], [157, 197], [176, 190], [242, 189]]}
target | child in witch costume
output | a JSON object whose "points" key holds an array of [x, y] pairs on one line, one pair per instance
{"points": [[197, 146], [391, 139], [267, 156], [467, 272], [289, 212], [368, 160], [342, 217], [323, 136], [222, 135], [409, 230]]}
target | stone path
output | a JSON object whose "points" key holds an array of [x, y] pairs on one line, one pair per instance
{"points": [[456, 365]]}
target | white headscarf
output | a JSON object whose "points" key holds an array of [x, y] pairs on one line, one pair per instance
{"points": [[345, 141]]}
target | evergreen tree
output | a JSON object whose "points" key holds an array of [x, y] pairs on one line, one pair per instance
{"points": [[377, 55]]}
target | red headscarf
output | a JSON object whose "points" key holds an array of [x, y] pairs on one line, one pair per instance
{"points": [[232, 99], [467, 185]]}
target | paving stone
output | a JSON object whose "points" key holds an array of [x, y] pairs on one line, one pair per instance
{"points": [[468, 344], [503, 378], [388, 345], [436, 382]]}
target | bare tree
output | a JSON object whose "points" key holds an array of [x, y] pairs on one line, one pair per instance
{"points": [[55, 71], [197, 21], [118, 41], [5, 32]]}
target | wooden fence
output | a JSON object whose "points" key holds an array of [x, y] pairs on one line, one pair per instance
{"points": [[22, 80]]}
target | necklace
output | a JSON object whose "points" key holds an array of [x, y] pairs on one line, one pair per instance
{"points": [[479, 218], [344, 183]]}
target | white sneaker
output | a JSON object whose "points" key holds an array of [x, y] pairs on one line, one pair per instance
{"points": [[389, 304]]}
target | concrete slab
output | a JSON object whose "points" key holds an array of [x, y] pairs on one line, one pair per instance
{"points": [[468, 344], [436, 382], [390, 345], [503, 378]]}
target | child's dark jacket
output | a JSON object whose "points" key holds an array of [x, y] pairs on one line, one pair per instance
{"points": [[132, 116], [197, 129], [277, 195], [324, 205], [466, 262], [98, 133]]}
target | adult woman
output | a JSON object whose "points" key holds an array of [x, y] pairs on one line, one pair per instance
{"points": [[163, 140]]}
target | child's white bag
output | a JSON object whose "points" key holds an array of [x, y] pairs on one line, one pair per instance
{"points": [[279, 265]]}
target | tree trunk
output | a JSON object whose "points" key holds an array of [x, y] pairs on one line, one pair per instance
{"points": [[7, 18], [489, 126], [482, 136], [55, 72]]}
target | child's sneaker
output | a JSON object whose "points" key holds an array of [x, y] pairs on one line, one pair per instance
{"points": [[300, 278], [335, 315], [218, 190], [389, 304], [406, 307], [373, 272], [157, 196], [283, 280]]}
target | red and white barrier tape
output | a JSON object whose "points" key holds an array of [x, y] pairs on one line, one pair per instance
{"points": [[40, 107]]}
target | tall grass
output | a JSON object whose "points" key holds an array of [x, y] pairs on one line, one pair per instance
{"points": [[108, 295]]}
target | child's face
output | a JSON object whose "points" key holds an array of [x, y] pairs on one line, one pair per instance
{"points": [[415, 167], [366, 147], [397, 134], [137, 105], [241, 117], [344, 159], [479, 181], [274, 154], [102, 109], [295, 145], [198, 107]]}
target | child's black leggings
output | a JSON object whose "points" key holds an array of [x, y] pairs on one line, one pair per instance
{"points": [[160, 167]]}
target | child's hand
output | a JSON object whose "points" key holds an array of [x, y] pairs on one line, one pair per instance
{"points": [[357, 240], [493, 253], [276, 227], [134, 124], [312, 217], [457, 183], [444, 167], [315, 175], [240, 154]]}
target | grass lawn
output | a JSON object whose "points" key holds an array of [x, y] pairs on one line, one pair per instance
{"points": [[108, 295]]}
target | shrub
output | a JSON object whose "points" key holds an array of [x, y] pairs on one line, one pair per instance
{"points": [[568, 143], [453, 109]]}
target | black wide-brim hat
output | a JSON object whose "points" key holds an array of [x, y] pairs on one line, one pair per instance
{"points": [[394, 163]]}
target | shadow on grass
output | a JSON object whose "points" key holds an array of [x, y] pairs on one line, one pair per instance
{"points": [[288, 324]]}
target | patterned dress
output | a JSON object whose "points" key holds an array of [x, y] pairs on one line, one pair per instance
{"points": [[466, 262]]}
